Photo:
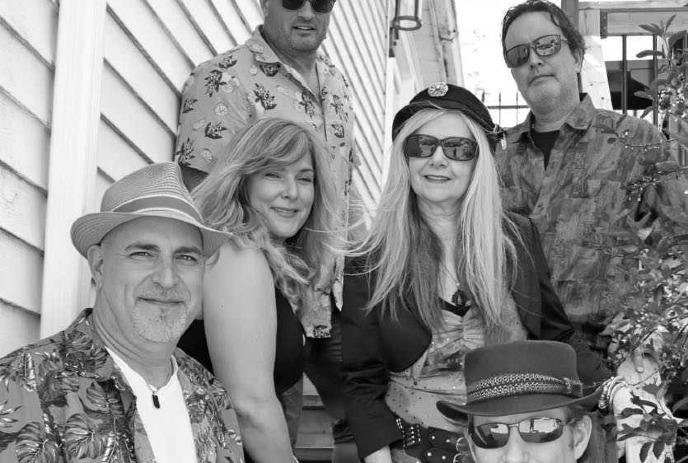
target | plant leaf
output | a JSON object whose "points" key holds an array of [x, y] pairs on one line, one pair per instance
{"points": [[652, 28], [658, 448], [644, 53], [669, 21], [646, 111], [644, 451]]}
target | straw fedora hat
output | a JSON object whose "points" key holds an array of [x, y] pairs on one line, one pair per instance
{"points": [[156, 190], [520, 377]]}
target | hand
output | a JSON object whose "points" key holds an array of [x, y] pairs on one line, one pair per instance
{"points": [[633, 405], [379, 456]]}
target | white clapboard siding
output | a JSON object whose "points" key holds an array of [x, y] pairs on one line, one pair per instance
{"points": [[356, 44], [24, 75], [185, 37], [19, 259], [134, 119], [209, 25], [152, 37], [18, 327], [25, 142], [34, 21], [27, 40]]}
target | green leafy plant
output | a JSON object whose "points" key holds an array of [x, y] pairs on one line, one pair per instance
{"points": [[669, 90]]}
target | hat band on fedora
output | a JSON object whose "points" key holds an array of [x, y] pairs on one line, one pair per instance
{"points": [[159, 202], [512, 384]]}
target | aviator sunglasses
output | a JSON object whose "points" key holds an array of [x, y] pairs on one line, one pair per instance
{"points": [[454, 148], [319, 6], [533, 430], [544, 46]]}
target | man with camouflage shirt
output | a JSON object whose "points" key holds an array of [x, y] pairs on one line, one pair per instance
{"points": [[568, 166]]}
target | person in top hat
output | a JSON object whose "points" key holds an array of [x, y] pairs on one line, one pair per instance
{"points": [[525, 403], [443, 271], [112, 386]]}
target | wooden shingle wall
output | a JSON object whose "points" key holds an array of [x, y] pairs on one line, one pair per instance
{"points": [[150, 47]]}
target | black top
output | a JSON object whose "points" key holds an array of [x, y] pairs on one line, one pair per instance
{"points": [[373, 345], [289, 353], [545, 142]]}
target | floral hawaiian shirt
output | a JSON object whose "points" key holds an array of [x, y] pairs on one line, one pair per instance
{"points": [[63, 400], [582, 205], [249, 82]]}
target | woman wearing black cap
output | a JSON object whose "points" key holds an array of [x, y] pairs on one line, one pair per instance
{"points": [[443, 271]]}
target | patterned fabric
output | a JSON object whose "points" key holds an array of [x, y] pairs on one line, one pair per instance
{"points": [[63, 400], [511, 384], [582, 209], [247, 83]]}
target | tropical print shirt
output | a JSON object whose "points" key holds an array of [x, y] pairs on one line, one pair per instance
{"points": [[63, 400], [247, 83], [584, 207]]}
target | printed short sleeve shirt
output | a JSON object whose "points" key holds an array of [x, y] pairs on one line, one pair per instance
{"points": [[581, 206], [62, 400]]}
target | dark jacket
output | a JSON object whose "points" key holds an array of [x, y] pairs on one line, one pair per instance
{"points": [[371, 346]]}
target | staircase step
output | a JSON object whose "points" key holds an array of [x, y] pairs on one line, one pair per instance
{"points": [[314, 444], [314, 447]]}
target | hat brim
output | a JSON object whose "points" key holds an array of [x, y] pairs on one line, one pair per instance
{"points": [[90, 229], [410, 109], [515, 405]]}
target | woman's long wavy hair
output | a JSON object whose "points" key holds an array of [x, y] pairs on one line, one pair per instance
{"points": [[223, 199], [405, 254]]}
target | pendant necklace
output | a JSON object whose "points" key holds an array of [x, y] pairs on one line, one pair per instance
{"points": [[154, 394]]}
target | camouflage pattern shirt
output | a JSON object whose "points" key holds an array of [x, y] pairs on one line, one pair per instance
{"points": [[62, 400], [582, 207], [249, 82]]}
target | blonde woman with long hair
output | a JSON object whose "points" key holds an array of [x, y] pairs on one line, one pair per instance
{"points": [[273, 193], [443, 271]]}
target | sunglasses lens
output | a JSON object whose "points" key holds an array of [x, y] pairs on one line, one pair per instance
{"points": [[532, 430], [490, 435], [517, 56], [320, 6], [540, 430], [547, 45], [420, 146], [460, 149], [292, 4]]}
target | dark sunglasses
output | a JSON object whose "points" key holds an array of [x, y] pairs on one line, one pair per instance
{"points": [[454, 148], [320, 6], [533, 430], [544, 46]]}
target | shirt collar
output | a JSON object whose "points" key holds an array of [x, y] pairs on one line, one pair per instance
{"points": [[581, 118], [85, 352]]}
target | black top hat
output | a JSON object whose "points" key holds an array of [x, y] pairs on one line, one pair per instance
{"points": [[447, 96], [520, 377]]}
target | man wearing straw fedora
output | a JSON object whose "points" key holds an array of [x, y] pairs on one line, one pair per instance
{"points": [[525, 403], [113, 387]]}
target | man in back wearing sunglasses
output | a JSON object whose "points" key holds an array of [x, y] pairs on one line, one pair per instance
{"points": [[568, 164], [525, 404], [278, 72]]}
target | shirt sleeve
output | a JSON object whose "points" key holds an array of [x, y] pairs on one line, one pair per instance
{"points": [[26, 432], [555, 324], [214, 106], [367, 377]]}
